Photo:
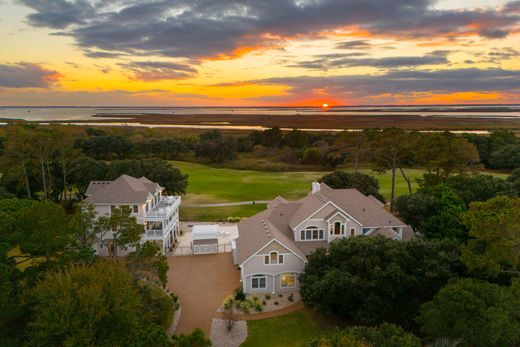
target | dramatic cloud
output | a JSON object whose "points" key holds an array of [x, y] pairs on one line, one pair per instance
{"points": [[341, 61], [26, 75], [158, 70], [215, 28], [443, 81], [356, 44]]}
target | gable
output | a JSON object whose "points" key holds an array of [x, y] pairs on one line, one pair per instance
{"points": [[325, 212], [274, 246]]}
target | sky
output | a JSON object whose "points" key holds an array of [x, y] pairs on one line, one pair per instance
{"points": [[258, 52]]}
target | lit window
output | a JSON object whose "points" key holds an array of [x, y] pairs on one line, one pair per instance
{"points": [[259, 282], [287, 279]]}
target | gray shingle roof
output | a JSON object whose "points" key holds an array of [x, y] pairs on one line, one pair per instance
{"points": [[281, 217], [123, 190]]}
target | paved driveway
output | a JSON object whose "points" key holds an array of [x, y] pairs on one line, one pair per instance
{"points": [[201, 282]]}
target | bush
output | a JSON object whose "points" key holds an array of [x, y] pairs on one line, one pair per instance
{"points": [[291, 297], [276, 303], [385, 335], [239, 294], [267, 297], [159, 304]]}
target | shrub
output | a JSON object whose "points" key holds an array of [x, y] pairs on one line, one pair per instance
{"points": [[264, 302], [159, 304], [239, 294], [291, 297], [267, 297], [276, 302]]}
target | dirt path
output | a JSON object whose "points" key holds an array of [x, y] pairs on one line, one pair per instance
{"points": [[201, 282]]}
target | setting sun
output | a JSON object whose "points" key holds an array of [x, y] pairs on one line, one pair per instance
{"points": [[325, 105]]}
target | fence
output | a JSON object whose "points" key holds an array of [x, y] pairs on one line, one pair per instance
{"points": [[188, 250]]}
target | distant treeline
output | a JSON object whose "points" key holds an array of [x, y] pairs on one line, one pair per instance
{"points": [[58, 162]]}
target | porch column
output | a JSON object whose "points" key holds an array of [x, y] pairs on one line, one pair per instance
{"points": [[274, 284]]}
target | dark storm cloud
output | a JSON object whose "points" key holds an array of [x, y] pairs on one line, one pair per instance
{"points": [[158, 70], [443, 81], [339, 61], [26, 75], [209, 28]]}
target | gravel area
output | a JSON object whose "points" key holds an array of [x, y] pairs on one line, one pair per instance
{"points": [[221, 337]]}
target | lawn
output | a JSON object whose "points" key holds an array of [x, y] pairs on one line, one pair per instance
{"points": [[294, 329], [214, 185]]}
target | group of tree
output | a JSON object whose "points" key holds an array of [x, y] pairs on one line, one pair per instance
{"points": [[54, 290], [53, 163], [457, 281]]}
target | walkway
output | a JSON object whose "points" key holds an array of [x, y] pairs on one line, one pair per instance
{"points": [[264, 315], [225, 204], [201, 282]]}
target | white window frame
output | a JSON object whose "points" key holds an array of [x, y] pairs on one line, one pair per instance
{"points": [[259, 278], [287, 274], [278, 255], [311, 229]]}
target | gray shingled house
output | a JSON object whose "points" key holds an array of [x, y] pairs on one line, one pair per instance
{"points": [[273, 245], [159, 214]]}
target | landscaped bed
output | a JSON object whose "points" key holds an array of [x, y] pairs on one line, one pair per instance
{"points": [[267, 302]]}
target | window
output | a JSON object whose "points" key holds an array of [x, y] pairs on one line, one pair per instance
{"points": [[366, 230], [135, 209], [311, 233], [337, 228], [258, 282], [273, 258], [287, 279], [352, 232]]}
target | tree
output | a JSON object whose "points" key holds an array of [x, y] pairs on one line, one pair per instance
{"points": [[384, 335], [42, 229], [469, 312], [129, 167], [494, 226], [88, 170], [388, 152], [352, 144], [271, 137], [297, 139], [170, 177], [147, 262], [366, 184], [371, 280], [169, 149], [446, 153], [213, 146], [195, 339], [479, 187], [18, 154], [83, 226], [435, 212], [122, 227], [507, 157], [96, 305], [105, 147]]}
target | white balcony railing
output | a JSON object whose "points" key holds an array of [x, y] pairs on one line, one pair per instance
{"points": [[165, 207]]}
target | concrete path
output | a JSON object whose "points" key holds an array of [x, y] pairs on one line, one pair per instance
{"points": [[201, 282], [225, 204], [264, 315]]}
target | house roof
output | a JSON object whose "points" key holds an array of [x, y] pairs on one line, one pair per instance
{"points": [[364, 209], [257, 231], [281, 217], [123, 190]]}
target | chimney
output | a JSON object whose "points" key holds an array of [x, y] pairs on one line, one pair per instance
{"points": [[315, 187]]}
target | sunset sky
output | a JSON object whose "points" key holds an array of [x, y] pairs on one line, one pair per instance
{"points": [[258, 52]]}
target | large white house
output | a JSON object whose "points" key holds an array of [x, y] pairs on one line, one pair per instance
{"points": [[273, 245], [158, 214]]}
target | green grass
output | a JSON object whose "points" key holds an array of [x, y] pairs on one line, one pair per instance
{"points": [[214, 185], [294, 329]]}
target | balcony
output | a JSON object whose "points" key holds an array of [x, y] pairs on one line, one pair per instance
{"points": [[166, 206]]}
